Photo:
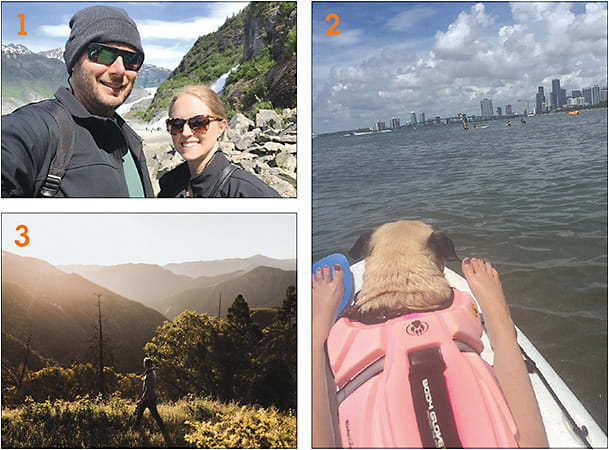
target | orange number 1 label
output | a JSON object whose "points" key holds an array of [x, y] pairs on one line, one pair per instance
{"points": [[26, 238], [333, 31], [22, 32]]}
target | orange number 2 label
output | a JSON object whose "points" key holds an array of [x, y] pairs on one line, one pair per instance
{"points": [[22, 32], [26, 238], [333, 31]]}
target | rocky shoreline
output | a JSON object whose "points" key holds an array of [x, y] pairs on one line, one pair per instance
{"points": [[265, 148]]}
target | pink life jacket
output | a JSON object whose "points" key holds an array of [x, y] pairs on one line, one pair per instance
{"points": [[418, 381]]}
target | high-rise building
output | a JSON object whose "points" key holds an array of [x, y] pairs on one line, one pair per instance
{"points": [[596, 94], [499, 111], [540, 99], [576, 93], [395, 123], [378, 126], [508, 109], [486, 107], [587, 95], [413, 117], [422, 117], [523, 106], [554, 94], [604, 94], [562, 98]]}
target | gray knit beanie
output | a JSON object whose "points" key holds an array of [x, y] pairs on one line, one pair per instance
{"points": [[99, 24]]}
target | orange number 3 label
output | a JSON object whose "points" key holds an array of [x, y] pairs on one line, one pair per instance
{"points": [[22, 32], [333, 31], [24, 235]]}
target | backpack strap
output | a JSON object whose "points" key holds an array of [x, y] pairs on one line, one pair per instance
{"points": [[64, 151], [222, 179]]}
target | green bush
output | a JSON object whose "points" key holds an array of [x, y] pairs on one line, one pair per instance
{"points": [[245, 428], [290, 43]]}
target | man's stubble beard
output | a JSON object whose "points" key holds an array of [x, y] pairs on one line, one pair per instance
{"points": [[87, 88]]}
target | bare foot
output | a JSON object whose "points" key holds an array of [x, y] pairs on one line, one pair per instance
{"points": [[327, 293], [484, 282]]}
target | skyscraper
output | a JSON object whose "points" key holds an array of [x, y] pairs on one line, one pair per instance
{"points": [[587, 96], [596, 94], [413, 117], [540, 99], [486, 107], [604, 94], [562, 98], [576, 93], [422, 117], [508, 109], [499, 111], [523, 106], [395, 123], [554, 94]]}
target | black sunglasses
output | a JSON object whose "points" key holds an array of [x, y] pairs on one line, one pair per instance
{"points": [[198, 124], [106, 55]]}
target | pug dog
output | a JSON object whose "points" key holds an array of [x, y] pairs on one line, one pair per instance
{"points": [[404, 268]]}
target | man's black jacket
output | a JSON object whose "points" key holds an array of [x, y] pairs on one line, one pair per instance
{"points": [[29, 142]]}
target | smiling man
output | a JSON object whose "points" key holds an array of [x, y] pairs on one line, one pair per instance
{"points": [[76, 145]]}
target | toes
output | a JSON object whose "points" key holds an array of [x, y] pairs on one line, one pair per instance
{"points": [[338, 274], [319, 274], [327, 273], [467, 268], [477, 265], [489, 268]]}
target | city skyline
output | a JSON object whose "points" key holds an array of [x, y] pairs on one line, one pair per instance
{"points": [[444, 58]]}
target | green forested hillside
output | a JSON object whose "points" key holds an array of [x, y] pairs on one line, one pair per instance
{"points": [[262, 40]]}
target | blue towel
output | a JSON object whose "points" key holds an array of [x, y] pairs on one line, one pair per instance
{"points": [[330, 261]]}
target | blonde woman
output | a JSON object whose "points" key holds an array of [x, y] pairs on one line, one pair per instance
{"points": [[196, 122]]}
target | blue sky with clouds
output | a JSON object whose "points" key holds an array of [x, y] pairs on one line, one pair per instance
{"points": [[442, 58], [168, 29]]}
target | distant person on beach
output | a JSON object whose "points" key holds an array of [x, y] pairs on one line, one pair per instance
{"points": [[148, 399], [76, 145], [197, 120]]}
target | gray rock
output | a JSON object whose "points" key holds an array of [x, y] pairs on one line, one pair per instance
{"points": [[240, 123], [290, 129], [286, 161], [249, 166], [267, 118], [273, 147], [286, 139], [244, 141]]}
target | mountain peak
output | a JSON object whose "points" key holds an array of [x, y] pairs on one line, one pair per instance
{"points": [[56, 53], [15, 49]]}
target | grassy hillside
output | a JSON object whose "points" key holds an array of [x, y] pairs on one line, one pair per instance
{"points": [[190, 423]]}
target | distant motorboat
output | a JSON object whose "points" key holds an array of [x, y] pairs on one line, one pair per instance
{"points": [[362, 133]]}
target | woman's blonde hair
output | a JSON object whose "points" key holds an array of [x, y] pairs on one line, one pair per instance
{"points": [[206, 95]]}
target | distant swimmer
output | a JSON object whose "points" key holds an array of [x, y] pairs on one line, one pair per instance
{"points": [[509, 123], [523, 122]]}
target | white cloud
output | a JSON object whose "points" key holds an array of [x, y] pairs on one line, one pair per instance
{"points": [[474, 57]]}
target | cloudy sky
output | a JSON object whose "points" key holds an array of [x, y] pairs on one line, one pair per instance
{"points": [[442, 58], [168, 29], [108, 239]]}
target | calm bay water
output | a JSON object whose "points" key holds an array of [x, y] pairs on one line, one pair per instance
{"points": [[530, 198]]}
